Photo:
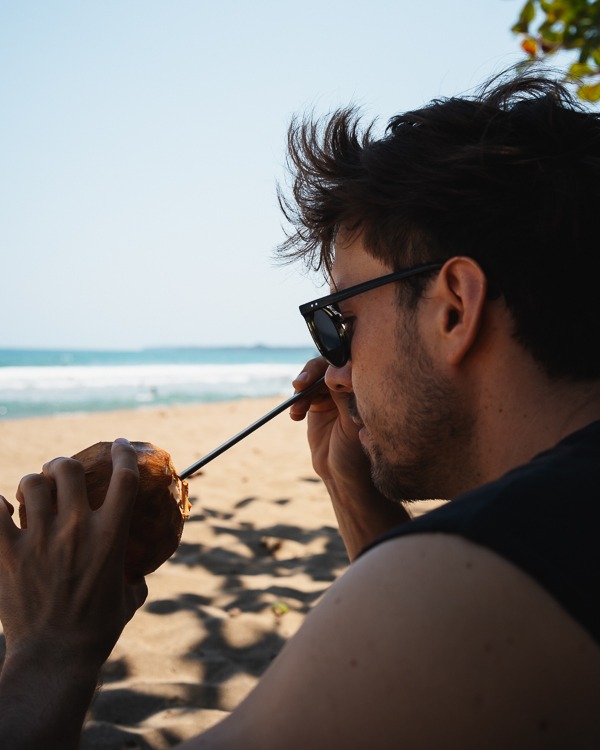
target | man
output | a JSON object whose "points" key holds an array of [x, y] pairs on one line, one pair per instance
{"points": [[461, 361]]}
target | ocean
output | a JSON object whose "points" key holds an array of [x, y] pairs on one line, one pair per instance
{"points": [[37, 382]]}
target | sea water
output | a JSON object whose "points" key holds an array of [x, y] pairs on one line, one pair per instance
{"points": [[42, 382]]}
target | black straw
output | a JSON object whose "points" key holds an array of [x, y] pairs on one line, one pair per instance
{"points": [[254, 426]]}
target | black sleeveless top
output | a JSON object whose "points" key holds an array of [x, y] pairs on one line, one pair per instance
{"points": [[544, 517]]}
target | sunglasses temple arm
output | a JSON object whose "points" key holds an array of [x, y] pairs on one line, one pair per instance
{"points": [[251, 428]]}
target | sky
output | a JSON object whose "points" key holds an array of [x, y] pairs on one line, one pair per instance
{"points": [[141, 142]]}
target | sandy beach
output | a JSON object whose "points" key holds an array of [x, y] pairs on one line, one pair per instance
{"points": [[259, 549]]}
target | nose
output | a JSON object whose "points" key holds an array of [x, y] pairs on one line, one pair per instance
{"points": [[339, 378]]}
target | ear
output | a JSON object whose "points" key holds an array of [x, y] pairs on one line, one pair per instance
{"points": [[460, 291]]}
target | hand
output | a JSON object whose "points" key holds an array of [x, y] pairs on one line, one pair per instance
{"points": [[63, 576], [332, 435], [363, 513], [63, 598]]}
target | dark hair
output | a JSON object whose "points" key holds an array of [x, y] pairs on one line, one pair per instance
{"points": [[509, 177]]}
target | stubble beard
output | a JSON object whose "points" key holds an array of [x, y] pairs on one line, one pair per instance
{"points": [[421, 446]]}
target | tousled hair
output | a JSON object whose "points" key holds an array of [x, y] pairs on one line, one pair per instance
{"points": [[509, 177]]}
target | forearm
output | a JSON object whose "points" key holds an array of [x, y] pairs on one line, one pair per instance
{"points": [[363, 514], [44, 697]]}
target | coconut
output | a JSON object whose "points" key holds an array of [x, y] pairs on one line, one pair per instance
{"points": [[160, 509]]}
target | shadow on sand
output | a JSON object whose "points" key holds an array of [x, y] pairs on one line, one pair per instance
{"points": [[254, 553]]}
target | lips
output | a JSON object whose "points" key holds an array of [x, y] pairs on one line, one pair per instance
{"points": [[357, 421], [353, 412]]}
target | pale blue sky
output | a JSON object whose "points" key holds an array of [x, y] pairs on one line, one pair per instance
{"points": [[141, 142]]}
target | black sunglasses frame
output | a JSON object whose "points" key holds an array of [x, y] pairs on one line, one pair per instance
{"points": [[327, 303]]}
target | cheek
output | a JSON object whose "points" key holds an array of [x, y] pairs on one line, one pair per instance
{"points": [[374, 373], [374, 347], [369, 331]]}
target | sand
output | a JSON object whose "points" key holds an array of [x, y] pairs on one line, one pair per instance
{"points": [[260, 547]]}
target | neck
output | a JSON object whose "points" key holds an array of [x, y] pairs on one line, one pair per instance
{"points": [[528, 414]]}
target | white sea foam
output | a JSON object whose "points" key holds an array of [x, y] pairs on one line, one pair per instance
{"points": [[26, 391], [61, 378]]}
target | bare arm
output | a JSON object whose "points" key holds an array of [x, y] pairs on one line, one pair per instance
{"points": [[426, 642], [63, 599], [44, 697], [362, 512]]}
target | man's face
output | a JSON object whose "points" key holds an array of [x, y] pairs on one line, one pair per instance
{"points": [[413, 425]]}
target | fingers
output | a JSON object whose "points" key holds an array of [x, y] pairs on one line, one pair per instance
{"points": [[137, 593], [61, 487], [123, 487], [319, 400], [9, 506], [37, 493], [312, 371], [7, 525], [67, 476]]}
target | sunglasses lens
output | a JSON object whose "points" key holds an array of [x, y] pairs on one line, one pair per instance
{"points": [[328, 338]]}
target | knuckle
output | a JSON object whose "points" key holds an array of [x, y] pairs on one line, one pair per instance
{"points": [[68, 465], [124, 456], [9, 506], [63, 466], [317, 366], [32, 482], [123, 446]]}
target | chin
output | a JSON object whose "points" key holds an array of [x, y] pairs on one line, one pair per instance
{"points": [[399, 482]]}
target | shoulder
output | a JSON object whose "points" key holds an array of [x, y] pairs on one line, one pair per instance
{"points": [[428, 641]]}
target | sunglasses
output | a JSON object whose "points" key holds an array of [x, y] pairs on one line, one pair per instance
{"points": [[326, 323]]}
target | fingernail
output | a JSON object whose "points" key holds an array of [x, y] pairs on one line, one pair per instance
{"points": [[123, 441], [303, 377]]}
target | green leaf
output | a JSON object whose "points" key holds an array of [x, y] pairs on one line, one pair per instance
{"points": [[279, 609], [565, 25], [580, 70], [525, 18], [551, 37], [528, 12], [590, 92]]}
